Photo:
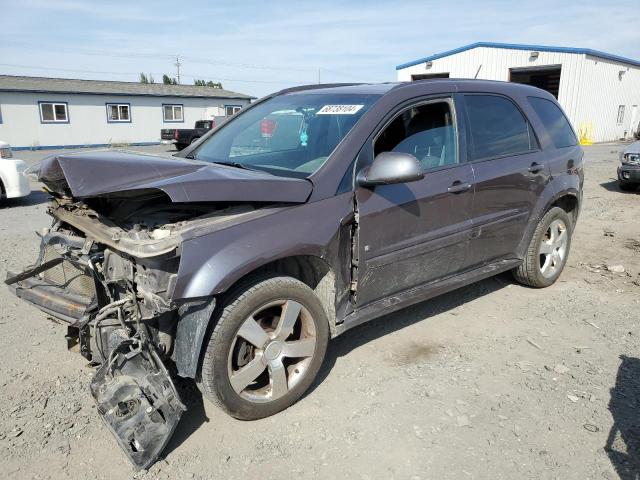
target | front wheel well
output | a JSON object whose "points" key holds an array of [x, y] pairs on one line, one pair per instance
{"points": [[313, 271], [569, 203]]}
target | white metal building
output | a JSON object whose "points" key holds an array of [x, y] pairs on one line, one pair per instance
{"points": [[42, 113], [599, 92]]}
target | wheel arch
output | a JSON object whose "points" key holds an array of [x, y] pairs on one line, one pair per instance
{"points": [[567, 197], [312, 270]]}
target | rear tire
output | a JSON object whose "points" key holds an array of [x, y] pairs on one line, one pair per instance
{"points": [[266, 348], [180, 146], [548, 250]]}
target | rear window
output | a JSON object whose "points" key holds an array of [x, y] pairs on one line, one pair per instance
{"points": [[497, 127], [554, 121]]}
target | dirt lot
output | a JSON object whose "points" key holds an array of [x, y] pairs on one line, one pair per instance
{"points": [[491, 381]]}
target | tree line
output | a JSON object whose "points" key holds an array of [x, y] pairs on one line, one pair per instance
{"points": [[167, 80]]}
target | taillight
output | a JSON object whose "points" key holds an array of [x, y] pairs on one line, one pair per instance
{"points": [[175, 134]]}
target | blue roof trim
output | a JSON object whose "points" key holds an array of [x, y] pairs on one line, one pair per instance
{"points": [[517, 46]]}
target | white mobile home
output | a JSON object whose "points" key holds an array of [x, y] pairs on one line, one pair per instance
{"points": [[599, 92], [39, 113]]}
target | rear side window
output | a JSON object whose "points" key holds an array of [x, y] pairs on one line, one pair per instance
{"points": [[497, 127], [554, 121]]}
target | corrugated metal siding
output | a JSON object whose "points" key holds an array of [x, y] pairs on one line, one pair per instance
{"points": [[602, 92], [589, 92], [88, 124]]}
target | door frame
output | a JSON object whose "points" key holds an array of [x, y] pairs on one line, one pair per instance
{"points": [[459, 119], [366, 156]]}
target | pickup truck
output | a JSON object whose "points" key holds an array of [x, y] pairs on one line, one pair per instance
{"points": [[182, 137]]}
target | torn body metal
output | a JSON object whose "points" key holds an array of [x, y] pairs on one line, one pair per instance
{"points": [[137, 400], [120, 316]]}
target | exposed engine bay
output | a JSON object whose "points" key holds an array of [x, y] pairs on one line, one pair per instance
{"points": [[107, 268]]}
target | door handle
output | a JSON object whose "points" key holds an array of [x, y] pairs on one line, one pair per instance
{"points": [[458, 187], [535, 167]]}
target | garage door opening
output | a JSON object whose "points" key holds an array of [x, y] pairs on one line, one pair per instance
{"points": [[547, 78], [427, 76]]}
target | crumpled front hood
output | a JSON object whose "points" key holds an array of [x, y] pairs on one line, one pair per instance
{"points": [[91, 174]]}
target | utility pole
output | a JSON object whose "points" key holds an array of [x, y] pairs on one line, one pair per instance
{"points": [[177, 64], [319, 82]]}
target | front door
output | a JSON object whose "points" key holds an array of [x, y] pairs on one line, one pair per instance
{"points": [[414, 233]]}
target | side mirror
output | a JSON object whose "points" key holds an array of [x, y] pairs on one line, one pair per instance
{"points": [[390, 167]]}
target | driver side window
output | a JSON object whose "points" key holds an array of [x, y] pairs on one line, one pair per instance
{"points": [[425, 131]]}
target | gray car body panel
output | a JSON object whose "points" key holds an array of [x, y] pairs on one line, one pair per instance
{"points": [[105, 172]]}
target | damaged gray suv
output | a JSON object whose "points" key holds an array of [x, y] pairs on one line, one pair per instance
{"points": [[312, 211]]}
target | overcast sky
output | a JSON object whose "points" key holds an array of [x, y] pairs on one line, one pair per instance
{"points": [[257, 47]]}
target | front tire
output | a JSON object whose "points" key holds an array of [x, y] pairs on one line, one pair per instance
{"points": [[266, 348], [548, 251]]}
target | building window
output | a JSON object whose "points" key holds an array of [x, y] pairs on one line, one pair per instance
{"points": [[52, 112], [118, 112], [620, 114], [172, 113], [230, 110]]}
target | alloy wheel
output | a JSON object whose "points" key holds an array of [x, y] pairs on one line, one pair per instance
{"points": [[271, 351], [553, 248]]}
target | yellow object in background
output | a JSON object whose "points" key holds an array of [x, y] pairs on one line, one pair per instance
{"points": [[585, 132]]}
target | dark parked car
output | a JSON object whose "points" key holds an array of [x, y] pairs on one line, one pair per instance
{"points": [[182, 137], [629, 169], [312, 211]]}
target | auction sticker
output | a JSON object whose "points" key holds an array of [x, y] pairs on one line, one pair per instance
{"points": [[339, 109]]}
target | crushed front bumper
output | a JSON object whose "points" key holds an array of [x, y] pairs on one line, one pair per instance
{"points": [[133, 390]]}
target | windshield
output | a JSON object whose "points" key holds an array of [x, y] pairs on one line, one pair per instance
{"points": [[288, 135]]}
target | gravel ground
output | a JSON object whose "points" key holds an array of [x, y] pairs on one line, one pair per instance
{"points": [[494, 380]]}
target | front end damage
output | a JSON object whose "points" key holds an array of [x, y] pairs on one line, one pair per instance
{"points": [[110, 277], [110, 268]]}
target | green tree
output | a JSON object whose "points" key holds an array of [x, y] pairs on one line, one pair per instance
{"points": [[167, 80], [146, 79], [203, 83]]}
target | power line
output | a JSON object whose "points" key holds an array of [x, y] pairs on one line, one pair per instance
{"points": [[193, 77], [193, 59], [201, 60]]}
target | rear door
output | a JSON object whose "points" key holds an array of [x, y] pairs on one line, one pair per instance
{"points": [[510, 174], [414, 233]]}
